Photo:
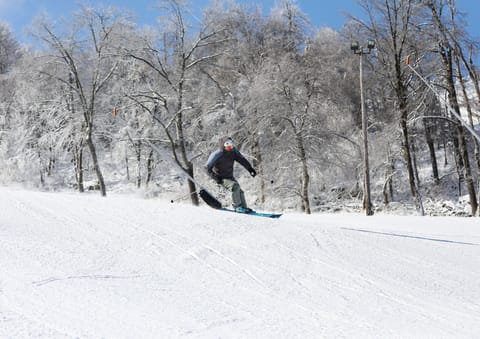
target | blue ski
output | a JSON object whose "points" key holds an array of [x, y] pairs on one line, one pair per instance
{"points": [[214, 203], [255, 213]]}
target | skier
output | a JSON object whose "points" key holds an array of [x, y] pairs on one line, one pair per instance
{"points": [[220, 168]]}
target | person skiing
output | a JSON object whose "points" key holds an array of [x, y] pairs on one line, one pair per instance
{"points": [[220, 168]]}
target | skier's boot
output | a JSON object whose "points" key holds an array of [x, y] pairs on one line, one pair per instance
{"points": [[241, 209]]}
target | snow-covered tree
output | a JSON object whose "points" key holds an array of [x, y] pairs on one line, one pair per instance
{"points": [[175, 54], [86, 59], [9, 48]]}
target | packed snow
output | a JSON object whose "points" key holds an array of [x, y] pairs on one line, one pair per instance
{"points": [[82, 266]]}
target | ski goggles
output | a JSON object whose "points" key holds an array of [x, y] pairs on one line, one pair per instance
{"points": [[228, 145]]}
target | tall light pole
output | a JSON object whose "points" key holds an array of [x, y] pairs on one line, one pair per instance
{"points": [[360, 50]]}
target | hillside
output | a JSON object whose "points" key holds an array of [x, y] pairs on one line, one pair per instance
{"points": [[82, 266]]}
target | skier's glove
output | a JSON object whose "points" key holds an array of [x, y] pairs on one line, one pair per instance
{"points": [[253, 173], [217, 179]]}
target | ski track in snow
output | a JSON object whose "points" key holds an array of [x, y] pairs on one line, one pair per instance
{"points": [[123, 267]]}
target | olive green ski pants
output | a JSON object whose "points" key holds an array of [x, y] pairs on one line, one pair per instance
{"points": [[238, 197]]}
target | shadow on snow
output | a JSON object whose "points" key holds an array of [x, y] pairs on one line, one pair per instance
{"points": [[411, 236]]}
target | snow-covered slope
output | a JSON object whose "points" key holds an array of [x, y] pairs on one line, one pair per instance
{"points": [[124, 267]]}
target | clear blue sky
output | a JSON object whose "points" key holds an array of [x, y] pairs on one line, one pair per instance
{"points": [[19, 13]]}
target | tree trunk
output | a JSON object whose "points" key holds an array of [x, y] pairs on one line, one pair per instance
{"points": [[257, 163], [96, 166], [78, 162], [431, 149], [468, 171], [452, 96], [51, 162], [42, 179], [392, 171], [446, 51], [127, 166], [408, 160], [388, 185], [138, 151], [414, 161], [468, 106], [149, 168], [406, 149], [305, 176], [191, 187]]}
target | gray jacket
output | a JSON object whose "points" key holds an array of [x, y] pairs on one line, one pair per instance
{"points": [[220, 163]]}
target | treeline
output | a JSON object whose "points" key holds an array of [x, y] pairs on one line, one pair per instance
{"points": [[98, 98]]}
